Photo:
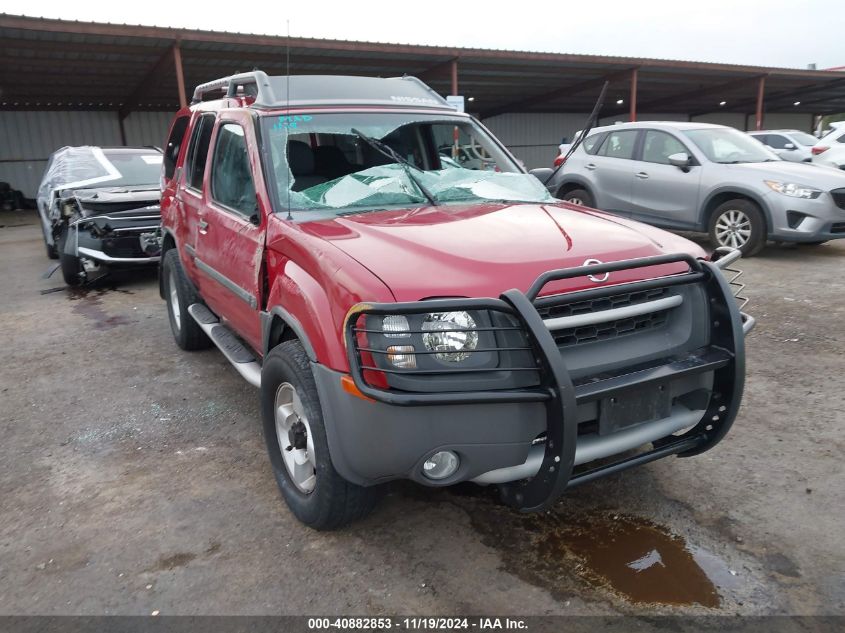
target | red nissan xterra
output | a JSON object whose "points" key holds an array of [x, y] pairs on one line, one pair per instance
{"points": [[412, 304]]}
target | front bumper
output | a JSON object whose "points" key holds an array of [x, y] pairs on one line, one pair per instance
{"points": [[798, 220], [530, 440], [123, 238]]}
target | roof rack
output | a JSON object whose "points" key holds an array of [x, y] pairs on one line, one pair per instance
{"points": [[262, 91]]}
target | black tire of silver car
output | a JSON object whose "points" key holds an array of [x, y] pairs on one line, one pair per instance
{"points": [[179, 294], [70, 264], [581, 197], [293, 423], [738, 224]]}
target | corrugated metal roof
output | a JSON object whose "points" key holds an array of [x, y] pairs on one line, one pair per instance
{"points": [[98, 65]]}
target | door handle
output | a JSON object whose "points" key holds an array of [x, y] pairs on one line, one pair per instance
{"points": [[642, 175], [203, 226], [590, 166]]}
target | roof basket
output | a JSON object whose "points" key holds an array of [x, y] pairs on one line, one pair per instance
{"points": [[255, 83]]}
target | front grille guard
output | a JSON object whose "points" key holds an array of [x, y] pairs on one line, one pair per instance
{"points": [[557, 391]]}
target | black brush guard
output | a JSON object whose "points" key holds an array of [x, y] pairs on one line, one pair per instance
{"points": [[725, 356]]}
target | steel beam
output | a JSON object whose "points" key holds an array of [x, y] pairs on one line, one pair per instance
{"points": [[761, 95], [632, 116]]}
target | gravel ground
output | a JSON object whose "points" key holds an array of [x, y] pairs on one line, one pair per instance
{"points": [[133, 479]]}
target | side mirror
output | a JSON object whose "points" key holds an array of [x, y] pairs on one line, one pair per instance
{"points": [[789, 146], [681, 160], [541, 173]]}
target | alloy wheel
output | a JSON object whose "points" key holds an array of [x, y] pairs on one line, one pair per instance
{"points": [[295, 440], [733, 228]]}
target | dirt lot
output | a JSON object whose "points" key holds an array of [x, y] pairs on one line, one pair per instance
{"points": [[133, 479]]}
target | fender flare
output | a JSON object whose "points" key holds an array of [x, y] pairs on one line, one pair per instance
{"points": [[742, 192], [269, 317], [575, 180]]}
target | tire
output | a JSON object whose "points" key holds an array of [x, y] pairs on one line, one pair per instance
{"points": [[738, 224], [324, 500], [52, 253], [179, 294], [581, 197], [70, 264]]}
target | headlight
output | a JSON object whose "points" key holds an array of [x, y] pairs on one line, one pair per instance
{"points": [[451, 334], [793, 190]]}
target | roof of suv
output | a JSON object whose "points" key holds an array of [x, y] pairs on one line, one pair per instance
{"points": [[325, 90]]}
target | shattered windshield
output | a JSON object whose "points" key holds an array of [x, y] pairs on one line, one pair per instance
{"points": [[360, 161]]}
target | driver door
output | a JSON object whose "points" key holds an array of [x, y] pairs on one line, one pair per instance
{"points": [[662, 193], [232, 228]]}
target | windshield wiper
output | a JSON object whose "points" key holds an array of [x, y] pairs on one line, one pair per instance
{"points": [[591, 121], [391, 153]]}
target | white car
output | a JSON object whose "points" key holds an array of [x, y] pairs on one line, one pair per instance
{"points": [[834, 138], [833, 157], [791, 145]]}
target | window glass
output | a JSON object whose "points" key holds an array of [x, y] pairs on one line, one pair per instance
{"points": [[729, 146], [659, 146], [231, 176], [803, 138], [619, 144], [174, 144], [776, 141], [198, 151], [338, 162], [592, 143]]}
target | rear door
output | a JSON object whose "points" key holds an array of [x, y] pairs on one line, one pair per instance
{"points": [[188, 198], [610, 170], [231, 231], [662, 193]]}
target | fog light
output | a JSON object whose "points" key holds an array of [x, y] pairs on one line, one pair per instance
{"points": [[441, 465], [402, 356]]}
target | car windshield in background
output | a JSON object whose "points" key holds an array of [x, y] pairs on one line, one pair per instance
{"points": [[321, 162], [134, 168], [728, 146], [802, 138]]}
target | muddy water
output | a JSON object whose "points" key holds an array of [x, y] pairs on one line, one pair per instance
{"points": [[637, 559], [88, 303]]}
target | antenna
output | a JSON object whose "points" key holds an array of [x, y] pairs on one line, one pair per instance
{"points": [[287, 97]]}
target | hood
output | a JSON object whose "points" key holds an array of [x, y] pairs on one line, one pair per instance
{"points": [[800, 173], [483, 250], [112, 199]]}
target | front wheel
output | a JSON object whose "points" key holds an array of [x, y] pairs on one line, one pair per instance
{"points": [[298, 448], [581, 197], [70, 264], [738, 224]]}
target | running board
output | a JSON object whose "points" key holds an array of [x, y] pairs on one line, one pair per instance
{"points": [[235, 352]]}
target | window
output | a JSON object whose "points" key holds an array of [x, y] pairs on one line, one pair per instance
{"points": [[776, 141], [763, 138], [619, 144], [592, 143], [198, 151], [659, 146], [174, 144], [231, 176]]}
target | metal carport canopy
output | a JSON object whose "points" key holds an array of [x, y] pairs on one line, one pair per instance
{"points": [[52, 64]]}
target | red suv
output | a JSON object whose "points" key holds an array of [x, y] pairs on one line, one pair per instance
{"points": [[412, 304]]}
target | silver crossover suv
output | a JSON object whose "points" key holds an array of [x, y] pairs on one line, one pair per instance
{"points": [[702, 177]]}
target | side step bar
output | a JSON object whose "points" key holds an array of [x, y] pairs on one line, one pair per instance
{"points": [[234, 351]]}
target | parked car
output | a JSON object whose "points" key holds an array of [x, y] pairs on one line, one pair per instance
{"points": [[405, 316], [791, 145], [834, 157], [703, 177], [835, 137], [99, 209]]}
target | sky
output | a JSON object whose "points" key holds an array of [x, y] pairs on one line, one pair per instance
{"points": [[787, 33]]}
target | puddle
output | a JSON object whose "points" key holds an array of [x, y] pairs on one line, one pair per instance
{"points": [[632, 558], [641, 561], [89, 305]]}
